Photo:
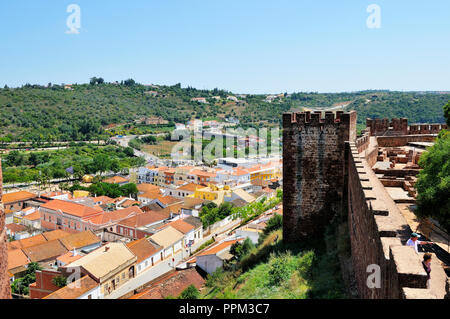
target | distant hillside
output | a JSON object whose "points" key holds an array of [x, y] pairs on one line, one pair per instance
{"points": [[417, 107], [82, 112]]}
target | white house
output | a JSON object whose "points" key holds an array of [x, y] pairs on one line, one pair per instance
{"points": [[170, 239], [148, 254], [216, 256]]}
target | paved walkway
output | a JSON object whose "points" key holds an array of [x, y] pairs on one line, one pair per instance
{"points": [[397, 219]]}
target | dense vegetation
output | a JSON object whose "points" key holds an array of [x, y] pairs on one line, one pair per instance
{"points": [[415, 106], [107, 189], [275, 270], [211, 213], [433, 184], [21, 285], [98, 109], [44, 166]]}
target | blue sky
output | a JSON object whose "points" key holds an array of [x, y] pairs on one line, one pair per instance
{"points": [[246, 46]]}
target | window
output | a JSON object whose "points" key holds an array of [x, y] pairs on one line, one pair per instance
{"points": [[123, 275], [90, 297]]}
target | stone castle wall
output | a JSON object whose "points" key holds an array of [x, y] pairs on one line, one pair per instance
{"points": [[378, 232], [322, 162], [5, 292], [313, 170], [395, 127]]}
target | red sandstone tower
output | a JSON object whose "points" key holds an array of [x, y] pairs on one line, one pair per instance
{"points": [[5, 292], [314, 164]]}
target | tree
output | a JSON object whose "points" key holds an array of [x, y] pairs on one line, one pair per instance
{"points": [[129, 82], [238, 250], [276, 222], [59, 281], [21, 285], [433, 183], [129, 151], [129, 189], [447, 112], [101, 163], [115, 166], [15, 158], [190, 293]]}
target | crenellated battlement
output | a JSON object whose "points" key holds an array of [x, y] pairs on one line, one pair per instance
{"points": [[327, 170], [399, 126], [378, 233], [316, 118]]}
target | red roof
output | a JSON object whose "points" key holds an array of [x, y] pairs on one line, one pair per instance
{"points": [[180, 225], [70, 208], [218, 248], [144, 219], [143, 249], [172, 285], [114, 216], [168, 200]]}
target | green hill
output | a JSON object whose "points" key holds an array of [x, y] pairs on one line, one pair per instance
{"points": [[83, 112]]}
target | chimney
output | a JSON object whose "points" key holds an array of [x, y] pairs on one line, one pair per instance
{"points": [[74, 253], [106, 249]]}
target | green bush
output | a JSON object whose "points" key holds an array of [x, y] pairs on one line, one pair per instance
{"points": [[190, 292]]}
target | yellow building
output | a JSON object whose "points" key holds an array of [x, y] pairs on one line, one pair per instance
{"points": [[212, 193], [264, 172], [88, 178], [110, 266], [79, 193]]}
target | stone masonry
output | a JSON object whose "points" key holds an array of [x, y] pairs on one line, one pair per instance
{"points": [[313, 170], [4, 279], [326, 171]]}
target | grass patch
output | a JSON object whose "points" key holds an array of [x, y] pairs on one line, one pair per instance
{"points": [[277, 270]]}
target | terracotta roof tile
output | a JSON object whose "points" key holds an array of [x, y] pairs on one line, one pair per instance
{"points": [[116, 180], [129, 203], [15, 228], [143, 249], [55, 234], [70, 208], [168, 200], [172, 285], [167, 237], [79, 240], [17, 258], [75, 289], [45, 251], [181, 226], [68, 257], [33, 216], [115, 216], [218, 248], [17, 196], [144, 219], [32, 241]]}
